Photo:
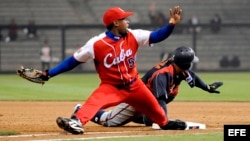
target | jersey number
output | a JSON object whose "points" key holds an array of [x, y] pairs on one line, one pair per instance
{"points": [[131, 62]]}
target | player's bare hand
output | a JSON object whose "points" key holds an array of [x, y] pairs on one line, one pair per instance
{"points": [[175, 15]]}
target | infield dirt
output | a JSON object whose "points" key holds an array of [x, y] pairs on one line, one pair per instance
{"points": [[36, 120]]}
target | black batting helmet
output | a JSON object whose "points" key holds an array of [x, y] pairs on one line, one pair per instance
{"points": [[183, 57]]}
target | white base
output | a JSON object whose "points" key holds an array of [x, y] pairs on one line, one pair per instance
{"points": [[190, 126], [195, 125]]}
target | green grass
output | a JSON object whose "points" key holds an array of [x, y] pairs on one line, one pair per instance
{"points": [[75, 87], [173, 137], [65, 87], [235, 88], [179, 137], [8, 133]]}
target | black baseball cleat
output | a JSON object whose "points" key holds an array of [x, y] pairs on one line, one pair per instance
{"points": [[175, 125], [71, 125]]}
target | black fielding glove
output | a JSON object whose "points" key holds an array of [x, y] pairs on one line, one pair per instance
{"points": [[212, 88]]}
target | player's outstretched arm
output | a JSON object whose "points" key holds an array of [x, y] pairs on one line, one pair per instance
{"points": [[41, 76], [66, 65], [198, 82]]}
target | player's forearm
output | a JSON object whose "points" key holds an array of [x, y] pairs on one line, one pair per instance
{"points": [[66, 65], [199, 83], [194, 80], [161, 34]]}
